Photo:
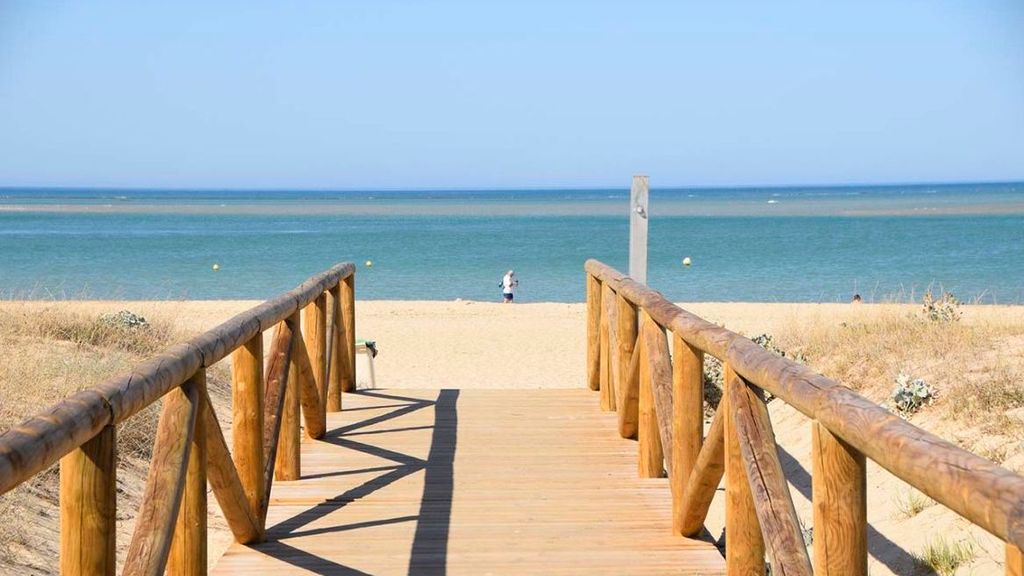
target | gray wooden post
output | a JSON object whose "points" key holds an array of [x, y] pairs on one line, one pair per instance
{"points": [[638, 229]]}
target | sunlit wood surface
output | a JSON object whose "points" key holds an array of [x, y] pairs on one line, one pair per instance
{"points": [[471, 482]]}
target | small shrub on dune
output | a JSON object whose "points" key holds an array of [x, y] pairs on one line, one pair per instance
{"points": [[911, 394], [945, 308], [123, 330]]}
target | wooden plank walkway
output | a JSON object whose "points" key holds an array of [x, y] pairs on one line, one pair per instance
{"points": [[471, 482]]}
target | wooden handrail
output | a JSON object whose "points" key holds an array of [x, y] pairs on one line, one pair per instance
{"points": [[190, 449], [974, 487], [40, 441], [847, 429]]}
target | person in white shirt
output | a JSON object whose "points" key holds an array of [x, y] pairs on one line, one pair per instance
{"points": [[508, 286]]}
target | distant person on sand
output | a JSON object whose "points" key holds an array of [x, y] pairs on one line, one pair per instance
{"points": [[856, 299], [508, 286]]}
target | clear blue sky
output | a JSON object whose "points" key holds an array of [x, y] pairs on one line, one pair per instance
{"points": [[344, 95]]}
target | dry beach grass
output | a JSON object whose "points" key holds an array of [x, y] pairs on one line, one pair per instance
{"points": [[51, 349]]}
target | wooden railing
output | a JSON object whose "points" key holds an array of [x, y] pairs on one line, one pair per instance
{"points": [[659, 398], [307, 370]]}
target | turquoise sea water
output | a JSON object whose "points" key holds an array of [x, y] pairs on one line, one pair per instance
{"points": [[776, 244]]}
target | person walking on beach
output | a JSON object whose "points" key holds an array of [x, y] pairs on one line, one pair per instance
{"points": [[508, 286]]}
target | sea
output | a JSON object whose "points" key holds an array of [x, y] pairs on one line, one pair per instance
{"points": [[781, 244]]}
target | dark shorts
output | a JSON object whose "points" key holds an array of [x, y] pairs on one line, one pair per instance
{"points": [[507, 296]]}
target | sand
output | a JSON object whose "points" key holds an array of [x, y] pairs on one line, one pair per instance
{"points": [[467, 344], [530, 346]]}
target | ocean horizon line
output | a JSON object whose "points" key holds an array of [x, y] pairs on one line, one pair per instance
{"points": [[498, 189]]}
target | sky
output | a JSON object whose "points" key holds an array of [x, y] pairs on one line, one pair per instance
{"points": [[433, 94]]}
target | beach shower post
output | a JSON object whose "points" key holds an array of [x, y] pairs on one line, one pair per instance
{"points": [[638, 229]]}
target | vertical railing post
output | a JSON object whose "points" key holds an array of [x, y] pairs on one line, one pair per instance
{"points": [[338, 358], [88, 507], [247, 391], [1014, 561], [287, 463], [687, 421], [839, 488], [593, 332], [627, 391], [348, 312], [609, 354], [188, 555], [652, 456], [744, 545], [315, 335]]}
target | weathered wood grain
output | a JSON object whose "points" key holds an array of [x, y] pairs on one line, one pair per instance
{"points": [[609, 369], [337, 359], [744, 545], [651, 458], [631, 394], [773, 503], [348, 318], [314, 332], [288, 465], [593, 333], [223, 477], [278, 367], [705, 478], [687, 422], [309, 395], [247, 399], [661, 384], [165, 483], [627, 392], [839, 488], [88, 507], [188, 555]]}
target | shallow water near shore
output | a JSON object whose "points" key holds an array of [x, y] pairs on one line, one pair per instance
{"points": [[775, 244]]}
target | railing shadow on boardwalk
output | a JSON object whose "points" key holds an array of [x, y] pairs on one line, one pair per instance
{"points": [[429, 552]]}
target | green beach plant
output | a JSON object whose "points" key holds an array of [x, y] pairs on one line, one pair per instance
{"points": [[943, 557], [911, 394]]}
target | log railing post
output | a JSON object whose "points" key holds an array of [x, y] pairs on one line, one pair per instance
{"points": [[628, 389], [288, 457], [687, 421], [247, 421], [315, 334], [652, 457], [338, 355], [348, 313], [593, 332], [839, 488], [188, 549], [608, 348], [88, 507], [1014, 561], [744, 545]]}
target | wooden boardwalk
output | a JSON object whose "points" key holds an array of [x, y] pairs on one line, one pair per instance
{"points": [[471, 482]]}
